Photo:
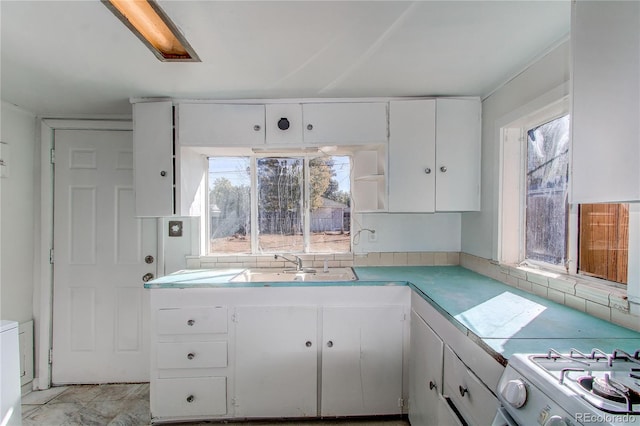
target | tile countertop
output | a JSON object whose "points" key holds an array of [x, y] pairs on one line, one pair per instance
{"points": [[502, 319]]}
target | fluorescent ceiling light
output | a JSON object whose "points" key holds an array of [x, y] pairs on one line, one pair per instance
{"points": [[150, 24]]}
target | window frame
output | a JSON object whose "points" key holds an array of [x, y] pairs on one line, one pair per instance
{"points": [[511, 245], [253, 158]]}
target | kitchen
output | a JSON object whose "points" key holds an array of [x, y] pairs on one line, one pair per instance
{"points": [[473, 239]]}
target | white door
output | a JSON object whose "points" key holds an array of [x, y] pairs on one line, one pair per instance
{"points": [[276, 361], [100, 307], [361, 360]]}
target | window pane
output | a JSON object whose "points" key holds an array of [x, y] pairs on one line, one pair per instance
{"points": [[229, 205], [604, 241], [330, 198], [547, 177], [280, 204]]}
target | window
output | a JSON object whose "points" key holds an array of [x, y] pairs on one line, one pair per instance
{"points": [[276, 204], [591, 240]]}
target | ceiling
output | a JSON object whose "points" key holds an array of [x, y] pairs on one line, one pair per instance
{"points": [[75, 58]]}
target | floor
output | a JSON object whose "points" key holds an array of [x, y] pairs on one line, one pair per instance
{"points": [[124, 405]]}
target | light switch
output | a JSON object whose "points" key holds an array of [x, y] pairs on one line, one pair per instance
{"points": [[175, 228]]}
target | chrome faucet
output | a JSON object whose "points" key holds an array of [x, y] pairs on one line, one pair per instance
{"points": [[297, 262]]}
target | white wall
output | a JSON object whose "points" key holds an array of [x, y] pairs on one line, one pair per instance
{"points": [[18, 203], [438, 232], [480, 229]]}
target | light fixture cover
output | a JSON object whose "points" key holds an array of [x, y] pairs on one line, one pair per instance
{"points": [[153, 27]]}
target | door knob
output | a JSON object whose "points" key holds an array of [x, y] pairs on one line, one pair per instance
{"points": [[147, 277]]}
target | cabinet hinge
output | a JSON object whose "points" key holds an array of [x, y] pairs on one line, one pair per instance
{"points": [[234, 317], [234, 402], [401, 402], [51, 256], [52, 156], [50, 355]]}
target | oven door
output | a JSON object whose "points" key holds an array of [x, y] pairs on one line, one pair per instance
{"points": [[503, 418]]}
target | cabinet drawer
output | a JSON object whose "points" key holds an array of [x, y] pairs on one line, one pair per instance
{"points": [[205, 396], [471, 397], [192, 320], [192, 355]]}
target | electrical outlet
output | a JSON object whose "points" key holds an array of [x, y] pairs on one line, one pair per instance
{"points": [[373, 236]]}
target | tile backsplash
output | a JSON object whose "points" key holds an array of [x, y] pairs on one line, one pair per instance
{"points": [[333, 260]]}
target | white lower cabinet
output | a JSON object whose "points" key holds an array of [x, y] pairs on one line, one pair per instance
{"points": [[361, 360], [475, 403], [189, 358], [276, 361], [191, 397], [425, 374]]}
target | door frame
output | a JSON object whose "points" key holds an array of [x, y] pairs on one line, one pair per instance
{"points": [[43, 267]]}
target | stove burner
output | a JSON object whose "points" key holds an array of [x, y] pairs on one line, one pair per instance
{"points": [[610, 390]]}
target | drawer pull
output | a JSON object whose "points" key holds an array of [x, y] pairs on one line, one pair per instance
{"points": [[463, 390], [190, 398], [191, 355], [432, 385], [191, 322]]}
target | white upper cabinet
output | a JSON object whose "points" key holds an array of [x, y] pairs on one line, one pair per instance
{"points": [[209, 124], [153, 158], [605, 147], [348, 123], [458, 123], [284, 124], [412, 151], [434, 155]]}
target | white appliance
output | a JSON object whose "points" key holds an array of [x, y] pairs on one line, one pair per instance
{"points": [[555, 389], [11, 413]]}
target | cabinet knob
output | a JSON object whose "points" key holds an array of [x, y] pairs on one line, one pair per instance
{"points": [[308, 343], [427, 170], [148, 259], [443, 169], [432, 385], [462, 390], [163, 173], [191, 355], [257, 127], [147, 277], [191, 322], [330, 343], [190, 398], [309, 126]]}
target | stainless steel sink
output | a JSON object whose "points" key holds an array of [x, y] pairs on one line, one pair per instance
{"points": [[274, 275]]}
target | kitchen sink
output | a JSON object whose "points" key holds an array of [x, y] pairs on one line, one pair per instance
{"points": [[273, 275]]}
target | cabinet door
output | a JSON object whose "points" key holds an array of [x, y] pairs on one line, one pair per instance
{"points": [[457, 154], [153, 158], [412, 148], [201, 124], [361, 360], [606, 102], [425, 373], [345, 123], [276, 361]]}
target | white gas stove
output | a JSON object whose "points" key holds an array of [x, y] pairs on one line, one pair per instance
{"points": [[571, 389]]}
